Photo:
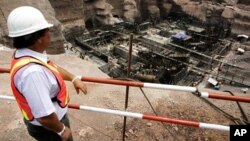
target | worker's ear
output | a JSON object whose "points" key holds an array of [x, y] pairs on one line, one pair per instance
{"points": [[39, 40]]}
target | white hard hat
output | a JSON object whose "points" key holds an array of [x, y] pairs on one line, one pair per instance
{"points": [[26, 20]]}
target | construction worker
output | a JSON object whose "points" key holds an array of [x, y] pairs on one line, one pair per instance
{"points": [[38, 84]]}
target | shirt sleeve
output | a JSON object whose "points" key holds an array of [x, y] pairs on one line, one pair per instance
{"points": [[35, 87]]}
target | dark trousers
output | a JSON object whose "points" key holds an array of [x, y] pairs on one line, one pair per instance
{"points": [[42, 134]]}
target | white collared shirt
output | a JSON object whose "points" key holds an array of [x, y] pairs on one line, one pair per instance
{"points": [[38, 85]]}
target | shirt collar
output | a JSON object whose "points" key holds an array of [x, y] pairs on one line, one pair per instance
{"points": [[28, 52]]}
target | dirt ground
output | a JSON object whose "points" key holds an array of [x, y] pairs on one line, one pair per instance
{"points": [[93, 126]]}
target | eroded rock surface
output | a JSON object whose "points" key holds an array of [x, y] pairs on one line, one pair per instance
{"points": [[130, 10], [73, 17], [45, 6]]}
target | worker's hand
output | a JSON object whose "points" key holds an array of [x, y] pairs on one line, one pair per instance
{"points": [[80, 86], [66, 134]]}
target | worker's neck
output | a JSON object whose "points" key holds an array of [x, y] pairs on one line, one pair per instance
{"points": [[37, 48]]}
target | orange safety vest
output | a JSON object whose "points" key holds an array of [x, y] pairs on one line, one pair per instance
{"points": [[17, 63]]}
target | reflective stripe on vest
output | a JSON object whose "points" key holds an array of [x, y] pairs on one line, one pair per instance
{"points": [[62, 97]]}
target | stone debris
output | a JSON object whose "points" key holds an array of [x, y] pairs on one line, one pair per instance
{"points": [[86, 132], [149, 124], [131, 131]]}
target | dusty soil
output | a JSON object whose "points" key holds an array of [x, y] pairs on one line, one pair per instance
{"points": [[96, 126]]}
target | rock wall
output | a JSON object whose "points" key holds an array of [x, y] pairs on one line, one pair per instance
{"points": [[103, 12], [72, 17], [2, 41], [241, 22], [76, 15], [130, 11], [165, 7], [231, 2], [57, 37], [247, 2], [236, 12], [148, 8], [118, 5]]}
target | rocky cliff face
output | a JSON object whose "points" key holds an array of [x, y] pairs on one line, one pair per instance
{"points": [[239, 16], [130, 10], [247, 2], [77, 15], [57, 37], [236, 12], [103, 12], [72, 17]]}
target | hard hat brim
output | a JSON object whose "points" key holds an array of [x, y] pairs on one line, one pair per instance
{"points": [[30, 30]]}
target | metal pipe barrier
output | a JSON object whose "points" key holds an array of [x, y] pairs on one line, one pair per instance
{"points": [[4, 70], [143, 116], [213, 95]]}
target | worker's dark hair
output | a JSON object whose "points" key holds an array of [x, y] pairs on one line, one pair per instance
{"points": [[27, 40]]}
